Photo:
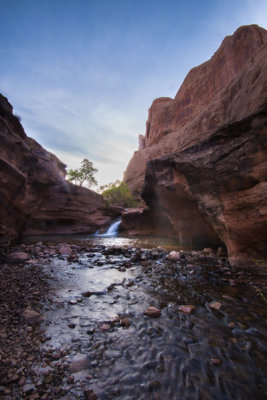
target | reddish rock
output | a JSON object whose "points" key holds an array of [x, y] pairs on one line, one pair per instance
{"points": [[174, 256], [17, 256], [205, 152], [187, 309], [216, 305], [35, 198], [32, 316], [224, 89], [152, 312]]}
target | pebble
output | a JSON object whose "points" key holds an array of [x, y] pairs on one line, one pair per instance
{"points": [[215, 361], [216, 305], [187, 308], [153, 312], [125, 322]]}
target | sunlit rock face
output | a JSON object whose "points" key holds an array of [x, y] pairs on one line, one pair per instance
{"points": [[205, 150], [227, 88], [34, 196]]}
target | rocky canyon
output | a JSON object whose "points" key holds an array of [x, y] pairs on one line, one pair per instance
{"points": [[35, 198], [203, 160]]}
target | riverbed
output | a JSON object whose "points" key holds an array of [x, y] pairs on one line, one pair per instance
{"points": [[97, 334]]}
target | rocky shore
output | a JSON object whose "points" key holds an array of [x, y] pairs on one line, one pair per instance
{"points": [[150, 288]]}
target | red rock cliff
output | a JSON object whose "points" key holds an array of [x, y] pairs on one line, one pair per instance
{"points": [[227, 88], [35, 198], [205, 152]]}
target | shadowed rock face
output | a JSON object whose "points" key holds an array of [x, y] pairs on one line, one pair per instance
{"points": [[146, 222], [218, 185], [227, 88], [34, 196]]}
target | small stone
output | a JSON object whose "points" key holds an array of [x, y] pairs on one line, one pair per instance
{"points": [[65, 249], [105, 327], [125, 323], [174, 256], [17, 256], [152, 312], [22, 381], [216, 305], [215, 361], [231, 324], [79, 363], [56, 356], [70, 379], [187, 308], [87, 294], [72, 326], [32, 316], [90, 395]]}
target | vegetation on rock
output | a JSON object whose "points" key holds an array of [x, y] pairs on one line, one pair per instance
{"points": [[85, 174], [118, 194]]}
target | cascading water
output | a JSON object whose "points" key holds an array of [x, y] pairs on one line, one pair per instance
{"points": [[112, 230]]}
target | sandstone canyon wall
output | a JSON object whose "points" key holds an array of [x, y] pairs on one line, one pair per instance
{"points": [[204, 159], [35, 198]]}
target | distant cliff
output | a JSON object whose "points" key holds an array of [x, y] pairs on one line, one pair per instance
{"points": [[203, 160], [35, 198]]}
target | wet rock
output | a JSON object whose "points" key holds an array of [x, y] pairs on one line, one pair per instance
{"points": [[64, 249], [90, 395], [71, 326], [152, 312], [215, 361], [216, 305], [174, 256], [32, 316], [70, 379], [125, 322], [17, 256], [187, 308], [79, 363], [88, 293], [105, 327]]}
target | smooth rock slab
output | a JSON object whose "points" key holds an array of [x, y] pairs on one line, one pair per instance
{"points": [[152, 312]]}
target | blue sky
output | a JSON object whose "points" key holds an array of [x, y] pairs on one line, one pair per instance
{"points": [[83, 73]]}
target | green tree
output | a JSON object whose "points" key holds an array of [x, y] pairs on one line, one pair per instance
{"points": [[85, 174], [118, 194]]}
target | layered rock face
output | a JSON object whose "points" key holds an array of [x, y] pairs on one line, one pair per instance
{"points": [[34, 195], [227, 88], [205, 151], [218, 185]]}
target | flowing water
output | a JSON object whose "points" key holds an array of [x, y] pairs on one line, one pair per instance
{"points": [[209, 354]]}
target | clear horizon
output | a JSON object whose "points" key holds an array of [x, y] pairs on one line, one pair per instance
{"points": [[83, 74]]}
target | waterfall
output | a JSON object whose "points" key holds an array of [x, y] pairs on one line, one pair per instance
{"points": [[112, 230]]}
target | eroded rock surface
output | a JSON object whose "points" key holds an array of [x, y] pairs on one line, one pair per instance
{"points": [[218, 186], [227, 88], [34, 196], [205, 151]]}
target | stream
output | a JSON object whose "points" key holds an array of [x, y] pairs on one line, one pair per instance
{"points": [[96, 315]]}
